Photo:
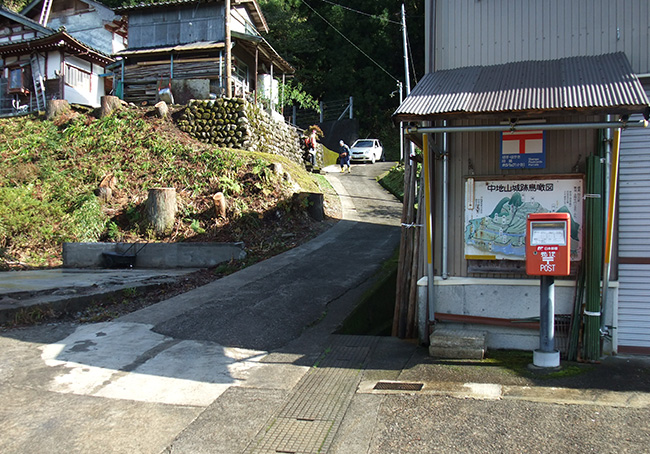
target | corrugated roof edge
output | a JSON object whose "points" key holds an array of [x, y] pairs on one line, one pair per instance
{"points": [[584, 84]]}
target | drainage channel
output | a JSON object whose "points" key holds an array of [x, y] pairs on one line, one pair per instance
{"points": [[313, 413]]}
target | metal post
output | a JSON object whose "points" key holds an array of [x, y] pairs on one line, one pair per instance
{"points": [[351, 106], [546, 356], [547, 314], [228, 51]]}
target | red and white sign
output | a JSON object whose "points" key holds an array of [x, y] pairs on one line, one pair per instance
{"points": [[523, 142]]}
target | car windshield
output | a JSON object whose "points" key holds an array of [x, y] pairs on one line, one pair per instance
{"points": [[363, 143]]}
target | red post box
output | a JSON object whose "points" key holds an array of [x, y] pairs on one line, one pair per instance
{"points": [[548, 244]]}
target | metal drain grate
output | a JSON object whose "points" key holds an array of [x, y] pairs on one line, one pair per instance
{"points": [[398, 386]]}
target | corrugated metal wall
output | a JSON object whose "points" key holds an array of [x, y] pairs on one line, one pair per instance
{"points": [[176, 25], [488, 32], [634, 239], [478, 154]]}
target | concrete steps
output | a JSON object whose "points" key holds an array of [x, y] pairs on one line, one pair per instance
{"points": [[451, 343]]}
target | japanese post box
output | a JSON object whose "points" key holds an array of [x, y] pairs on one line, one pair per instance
{"points": [[548, 244]]}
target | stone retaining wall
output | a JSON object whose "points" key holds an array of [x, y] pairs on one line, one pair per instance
{"points": [[236, 123]]}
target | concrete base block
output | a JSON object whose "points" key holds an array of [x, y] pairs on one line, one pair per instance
{"points": [[152, 255], [457, 344], [546, 359]]}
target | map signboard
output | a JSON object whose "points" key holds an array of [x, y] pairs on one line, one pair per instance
{"points": [[496, 211]]}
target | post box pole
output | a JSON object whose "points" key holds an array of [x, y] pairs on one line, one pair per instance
{"points": [[547, 314], [546, 356]]}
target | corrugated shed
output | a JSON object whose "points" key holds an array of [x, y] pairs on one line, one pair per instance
{"points": [[591, 85], [469, 32]]}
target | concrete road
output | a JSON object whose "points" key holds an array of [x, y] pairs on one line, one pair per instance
{"points": [[249, 364], [134, 385]]}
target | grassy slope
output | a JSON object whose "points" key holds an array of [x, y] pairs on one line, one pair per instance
{"points": [[50, 171]]}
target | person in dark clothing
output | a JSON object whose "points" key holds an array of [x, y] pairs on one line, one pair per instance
{"points": [[344, 153]]}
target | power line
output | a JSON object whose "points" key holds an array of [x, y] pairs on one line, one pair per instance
{"points": [[374, 16], [348, 40]]}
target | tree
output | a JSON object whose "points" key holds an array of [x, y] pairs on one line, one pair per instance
{"points": [[352, 48]]}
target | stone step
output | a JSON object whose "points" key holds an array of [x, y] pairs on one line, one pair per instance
{"points": [[457, 344]]}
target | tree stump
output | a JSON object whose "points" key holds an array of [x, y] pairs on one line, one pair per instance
{"points": [[56, 107], [161, 209], [162, 110], [220, 205], [105, 189], [109, 105]]}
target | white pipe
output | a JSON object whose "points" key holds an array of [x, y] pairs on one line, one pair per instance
{"points": [[445, 204], [529, 127]]}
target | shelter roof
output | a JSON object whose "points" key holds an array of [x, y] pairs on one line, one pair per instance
{"points": [[588, 85]]}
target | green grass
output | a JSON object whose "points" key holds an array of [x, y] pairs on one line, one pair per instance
{"points": [[51, 170], [393, 181]]}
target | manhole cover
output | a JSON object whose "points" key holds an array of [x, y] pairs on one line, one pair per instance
{"points": [[398, 386]]}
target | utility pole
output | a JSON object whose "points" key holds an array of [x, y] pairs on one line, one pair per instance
{"points": [[228, 50], [406, 55]]}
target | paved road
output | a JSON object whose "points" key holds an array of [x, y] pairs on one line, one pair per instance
{"points": [[133, 385], [249, 364]]}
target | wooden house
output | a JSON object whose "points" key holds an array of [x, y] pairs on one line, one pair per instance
{"points": [[48, 52], [196, 48]]}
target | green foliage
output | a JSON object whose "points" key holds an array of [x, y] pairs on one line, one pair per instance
{"points": [[85, 222], [316, 40], [51, 170], [293, 94], [393, 181], [196, 226]]}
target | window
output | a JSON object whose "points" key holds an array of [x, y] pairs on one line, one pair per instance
{"points": [[16, 81], [77, 78]]}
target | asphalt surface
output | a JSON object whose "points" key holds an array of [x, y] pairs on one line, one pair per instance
{"points": [[250, 364]]}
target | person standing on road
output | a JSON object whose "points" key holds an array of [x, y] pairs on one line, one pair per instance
{"points": [[344, 153]]}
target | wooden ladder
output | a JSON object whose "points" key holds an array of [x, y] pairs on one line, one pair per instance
{"points": [[39, 86], [45, 13]]}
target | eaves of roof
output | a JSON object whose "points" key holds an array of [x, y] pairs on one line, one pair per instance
{"points": [[179, 48], [251, 42], [57, 40], [587, 85], [24, 20]]}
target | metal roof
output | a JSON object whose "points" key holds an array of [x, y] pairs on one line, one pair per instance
{"points": [[179, 48], [590, 85]]}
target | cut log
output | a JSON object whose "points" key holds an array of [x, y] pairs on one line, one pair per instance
{"points": [[162, 110], [56, 107], [109, 105], [220, 204], [161, 209], [104, 193]]}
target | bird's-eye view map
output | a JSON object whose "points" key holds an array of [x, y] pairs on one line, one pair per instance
{"points": [[495, 227]]}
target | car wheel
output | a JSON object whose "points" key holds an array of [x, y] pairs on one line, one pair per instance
{"points": [[372, 159]]}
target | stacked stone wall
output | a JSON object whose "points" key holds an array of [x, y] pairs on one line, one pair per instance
{"points": [[236, 123]]}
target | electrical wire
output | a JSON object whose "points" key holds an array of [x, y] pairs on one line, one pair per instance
{"points": [[374, 16], [348, 40]]}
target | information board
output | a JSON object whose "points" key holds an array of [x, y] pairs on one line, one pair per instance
{"points": [[496, 212]]}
